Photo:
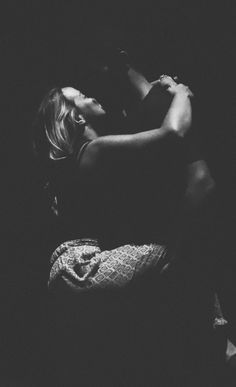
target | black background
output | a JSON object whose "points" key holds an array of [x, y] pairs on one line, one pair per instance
{"points": [[56, 43]]}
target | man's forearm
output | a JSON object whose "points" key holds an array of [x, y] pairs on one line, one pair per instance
{"points": [[200, 186]]}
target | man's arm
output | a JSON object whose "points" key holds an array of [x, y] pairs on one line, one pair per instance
{"points": [[200, 184], [199, 189]]}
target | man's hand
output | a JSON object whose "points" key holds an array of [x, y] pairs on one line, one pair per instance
{"points": [[170, 84], [167, 81]]}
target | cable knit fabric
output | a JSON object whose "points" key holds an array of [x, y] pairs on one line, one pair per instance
{"points": [[82, 266]]}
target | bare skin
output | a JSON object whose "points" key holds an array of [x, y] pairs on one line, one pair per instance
{"points": [[176, 123], [200, 184]]}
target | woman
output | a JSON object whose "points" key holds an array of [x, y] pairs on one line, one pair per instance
{"points": [[86, 171], [88, 176]]}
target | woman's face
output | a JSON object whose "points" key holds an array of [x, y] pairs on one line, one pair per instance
{"points": [[89, 108]]}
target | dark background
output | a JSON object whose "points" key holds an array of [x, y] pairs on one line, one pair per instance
{"points": [[58, 43]]}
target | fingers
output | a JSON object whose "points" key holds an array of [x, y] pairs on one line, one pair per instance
{"points": [[167, 81], [174, 77], [186, 89], [156, 82], [165, 76], [180, 88]]}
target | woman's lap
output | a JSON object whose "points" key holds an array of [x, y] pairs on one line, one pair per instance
{"points": [[82, 265]]}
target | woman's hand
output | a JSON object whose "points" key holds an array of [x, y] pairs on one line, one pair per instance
{"points": [[180, 88], [171, 85], [167, 81]]}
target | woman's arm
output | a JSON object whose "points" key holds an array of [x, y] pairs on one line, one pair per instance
{"points": [[179, 116], [175, 125]]}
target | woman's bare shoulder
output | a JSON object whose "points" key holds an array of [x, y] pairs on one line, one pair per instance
{"points": [[91, 155]]}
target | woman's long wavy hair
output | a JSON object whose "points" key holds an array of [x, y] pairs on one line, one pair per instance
{"points": [[58, 130], [58, 127]]}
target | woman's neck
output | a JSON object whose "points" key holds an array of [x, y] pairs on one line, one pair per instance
{"points": [[90, 133]]}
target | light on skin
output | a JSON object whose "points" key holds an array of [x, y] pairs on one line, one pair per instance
{"points": [[89, 108]]}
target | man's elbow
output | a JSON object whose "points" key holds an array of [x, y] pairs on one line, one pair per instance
{"points": [[201, 187], [204, 182], [209, 185]]}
